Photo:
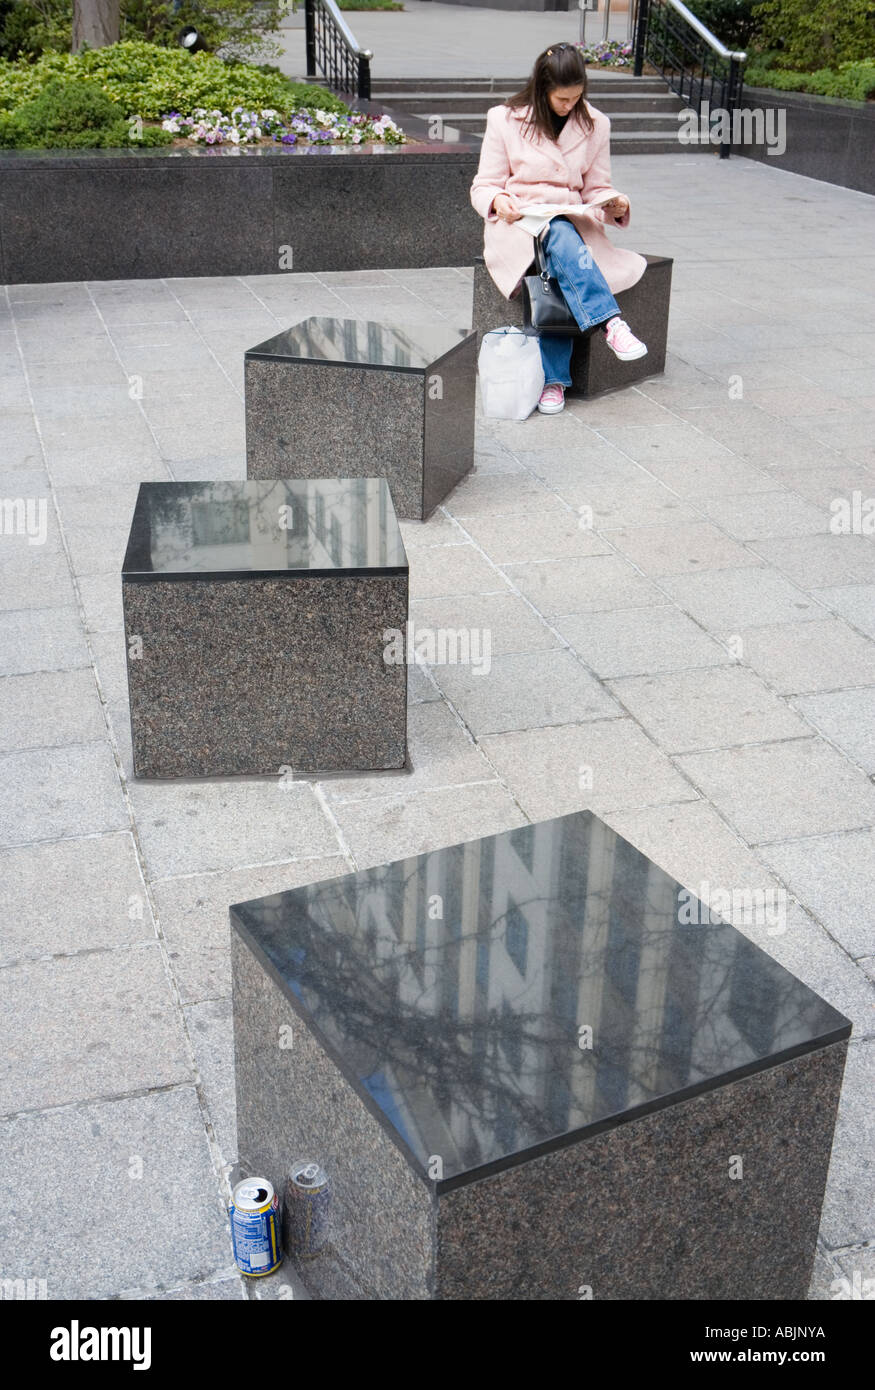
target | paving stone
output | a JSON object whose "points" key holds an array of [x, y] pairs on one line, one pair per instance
{"points": [[725, 601], [193, 914], [49, 709], [668, 445], [56, 793], [605, 765], [682, 549], [847, 719], [815, 562], [797, 658], [211, 1029], [190, 827], [101, 596], [452, 569], [713, 708], [44, 639], [43, 917], [850, 1190], [855, 603], [497, 494], [440, 754], [229, 1290], [438, 530], [857, 1274], [764, 515], [587, 585], [89, 1200], [95, 1024], [633, 641], [493, 624], [823, 1276], [833, 876], [780, 791], [613, 502], [553, 535], [383, 829], [526, 691], [35, 580]]}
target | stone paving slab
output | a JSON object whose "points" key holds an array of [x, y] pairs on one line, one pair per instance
{"points": [[656, 572]]}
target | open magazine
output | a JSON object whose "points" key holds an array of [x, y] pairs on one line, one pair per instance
{"points": [[537, 216]]}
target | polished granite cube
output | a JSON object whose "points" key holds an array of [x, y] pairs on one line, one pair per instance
{"points": [[346, 396], [255, 615], [594, 368], [529, 1076]]}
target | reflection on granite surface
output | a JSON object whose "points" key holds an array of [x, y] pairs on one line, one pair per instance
{"points": [[360, 343], [453, 988], [263, 527]]}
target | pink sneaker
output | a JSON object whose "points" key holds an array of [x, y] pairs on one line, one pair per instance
{"points": [[623, 343], [552, 399]]}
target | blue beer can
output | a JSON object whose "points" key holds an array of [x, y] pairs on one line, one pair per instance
{"points": [[255, 1227], [307, 1207]]}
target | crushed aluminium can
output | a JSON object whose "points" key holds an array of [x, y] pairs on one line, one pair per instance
{"points": [[307, 1207], [255, 1227]]}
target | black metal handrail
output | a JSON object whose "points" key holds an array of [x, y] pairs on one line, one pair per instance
{"points": [[695, 64], [334, 51]]}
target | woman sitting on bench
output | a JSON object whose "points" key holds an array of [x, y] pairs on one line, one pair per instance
{"points": [[548, 145]]}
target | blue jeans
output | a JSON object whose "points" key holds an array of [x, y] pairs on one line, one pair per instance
{"points": [[584, 289]]}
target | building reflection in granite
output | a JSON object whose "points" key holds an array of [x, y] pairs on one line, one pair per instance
{"points": [[454, 987], [201, 528]]}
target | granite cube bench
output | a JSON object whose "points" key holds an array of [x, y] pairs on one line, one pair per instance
{"points": [[527, 1077], [254, 619], [594, 368], [342, 396]]}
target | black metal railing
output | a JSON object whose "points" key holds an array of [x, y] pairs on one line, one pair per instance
{"points": [[334, 53], [695, 64]]}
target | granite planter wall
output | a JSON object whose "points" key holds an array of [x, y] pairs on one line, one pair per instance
{"points": [[127, 214], [826, 138]]}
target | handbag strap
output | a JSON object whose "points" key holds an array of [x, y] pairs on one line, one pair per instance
{"points": [[541, 260]]}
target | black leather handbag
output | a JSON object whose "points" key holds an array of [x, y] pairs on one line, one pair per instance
{"points": [[544, 307]]}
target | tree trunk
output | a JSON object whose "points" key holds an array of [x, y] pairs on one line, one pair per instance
{"points": [[95, 23]]}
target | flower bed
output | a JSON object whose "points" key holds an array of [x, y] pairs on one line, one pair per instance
{"points": [[611, 54], [316, 127]]}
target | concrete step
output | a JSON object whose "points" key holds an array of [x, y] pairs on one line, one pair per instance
{"points": [[504, 86], [442, 103]]}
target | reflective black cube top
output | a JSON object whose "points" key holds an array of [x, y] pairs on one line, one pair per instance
{"points": [[411, 347], [260, 528], [501, 998]]}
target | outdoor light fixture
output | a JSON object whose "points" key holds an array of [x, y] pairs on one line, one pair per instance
{"points": [[191, 40]]}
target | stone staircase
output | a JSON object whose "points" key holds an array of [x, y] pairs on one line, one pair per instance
{"points": [[643, 111]]}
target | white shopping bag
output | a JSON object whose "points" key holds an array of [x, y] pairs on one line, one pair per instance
{"points": [[511, 374]]}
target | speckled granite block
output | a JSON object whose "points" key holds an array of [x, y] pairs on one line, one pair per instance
{"points": [[254, 622], [594, 368], [528, 1075], [333, 396], [649, 1210], [294, 1102]]}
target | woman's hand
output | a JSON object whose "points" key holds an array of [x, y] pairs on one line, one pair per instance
{"points": [[617, 207], [505, 208]]}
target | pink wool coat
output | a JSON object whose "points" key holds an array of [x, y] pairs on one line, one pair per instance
{"points": [[534, 169]]}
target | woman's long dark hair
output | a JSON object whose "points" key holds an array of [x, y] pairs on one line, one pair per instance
{"points": [[559, 66]]}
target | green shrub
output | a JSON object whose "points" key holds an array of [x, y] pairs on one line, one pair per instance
{"points": [[30, 27], [808, 35], [70, 116], [239, 27], [851, 81], [734, 22], [149, 81]]}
